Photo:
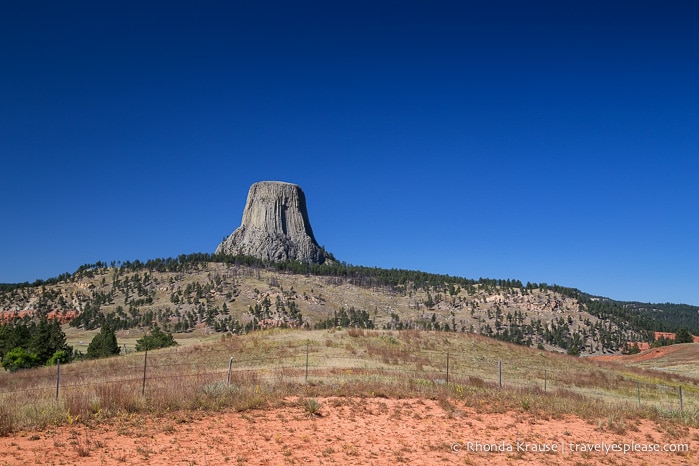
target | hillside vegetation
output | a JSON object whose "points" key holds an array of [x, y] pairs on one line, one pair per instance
{"points": [[238, 294]]}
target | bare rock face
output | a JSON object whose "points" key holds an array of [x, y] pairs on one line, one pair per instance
{"points": [[275, 226]]}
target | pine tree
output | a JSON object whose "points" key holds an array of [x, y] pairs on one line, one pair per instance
{"points": [[47, 339], [683, 336], [156, 339], [103, 344]]}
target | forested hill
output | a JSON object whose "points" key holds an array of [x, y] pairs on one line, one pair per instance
{"points": [[668, 317], [240, 293]]}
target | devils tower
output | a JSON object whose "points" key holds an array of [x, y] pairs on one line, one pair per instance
{"points": [[275, 226]]}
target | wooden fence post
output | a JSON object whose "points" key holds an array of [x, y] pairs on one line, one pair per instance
{"points": [[230, 365], [145, 363], [447, 368], [500, 372], [306, 361], [58, 376]]}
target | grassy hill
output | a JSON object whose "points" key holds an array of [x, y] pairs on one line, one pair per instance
{"points": [[208, 293], [221, 294]]}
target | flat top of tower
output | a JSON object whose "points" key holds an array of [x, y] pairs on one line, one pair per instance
{"points": [[275, 182]]}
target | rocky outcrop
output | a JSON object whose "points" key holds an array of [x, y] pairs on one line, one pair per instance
{"points": [[275, 226]]}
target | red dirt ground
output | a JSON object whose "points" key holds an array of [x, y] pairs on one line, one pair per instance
{"points": [[352, 431], [653, 353]]}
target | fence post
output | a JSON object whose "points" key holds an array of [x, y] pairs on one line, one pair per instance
{"points": [[145, 363], [545, 379], [447, 368], [306, 361], [58, 376], [681, 403], [230, 365], [500, 372]]}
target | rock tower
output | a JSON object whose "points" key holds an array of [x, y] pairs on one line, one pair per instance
{"points": [[275, 226]]}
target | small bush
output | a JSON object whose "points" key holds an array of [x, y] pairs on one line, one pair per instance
{"points": [[18, 359], [312, 407]]}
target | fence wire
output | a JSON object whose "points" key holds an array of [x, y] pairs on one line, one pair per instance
{"points": [[315, 363]]}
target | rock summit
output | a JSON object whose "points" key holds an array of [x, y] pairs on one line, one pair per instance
{"points": [[275, 226]]}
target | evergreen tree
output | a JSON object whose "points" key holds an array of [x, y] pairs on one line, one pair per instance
{"points": [[13, 335], [47, 339], [25, 344], [156, 339], [103, 344], [683, 336]]}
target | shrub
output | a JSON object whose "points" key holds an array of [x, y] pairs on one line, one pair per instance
{"points": [[19, 358], [312, 407], [60, 354]]}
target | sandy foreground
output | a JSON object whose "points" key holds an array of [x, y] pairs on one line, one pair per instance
{"points": [[360, 431]]}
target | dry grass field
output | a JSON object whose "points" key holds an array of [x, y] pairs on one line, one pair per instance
{"points": [[673, 359], [345, 397]]}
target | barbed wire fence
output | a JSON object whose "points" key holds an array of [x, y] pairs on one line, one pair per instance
{"points": [[312, 363]]}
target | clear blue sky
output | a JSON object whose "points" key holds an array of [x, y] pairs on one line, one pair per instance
{"points": [[544, 141]]}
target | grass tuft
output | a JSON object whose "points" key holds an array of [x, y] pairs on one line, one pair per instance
{"points": [[7, 421], [312, 407]]}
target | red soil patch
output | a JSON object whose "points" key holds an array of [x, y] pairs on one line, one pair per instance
{"points": [[671, 336], [652, 353], [348, 431], [642, 345]]}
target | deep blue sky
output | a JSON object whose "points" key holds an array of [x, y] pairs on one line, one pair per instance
{"points": [[544, 141]]}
